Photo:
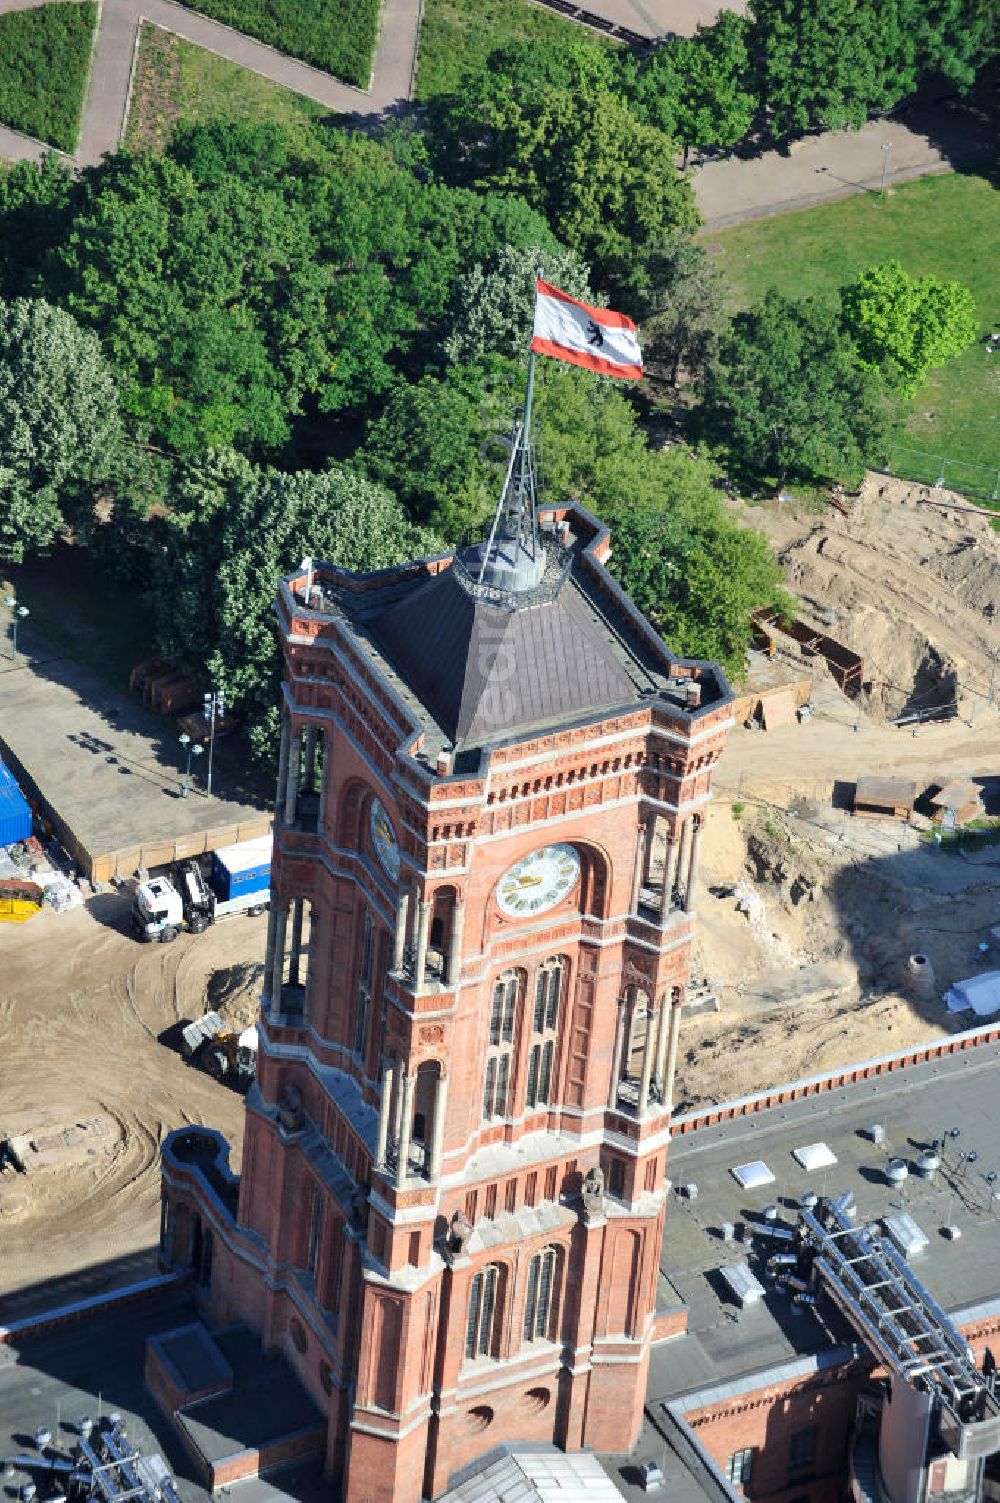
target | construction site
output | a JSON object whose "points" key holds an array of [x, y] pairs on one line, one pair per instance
{"points": [[808, 913]]}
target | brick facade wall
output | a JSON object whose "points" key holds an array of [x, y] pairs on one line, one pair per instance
{"points": [[384, 1310]]}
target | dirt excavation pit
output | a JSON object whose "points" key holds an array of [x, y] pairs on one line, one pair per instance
{"points": [[86, 1078], [913, 587], [807, 925]]}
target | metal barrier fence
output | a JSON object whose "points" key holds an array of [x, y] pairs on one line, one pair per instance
{"points": [[977, 481]]}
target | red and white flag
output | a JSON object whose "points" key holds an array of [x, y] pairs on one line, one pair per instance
{"points": [[595, 338]]}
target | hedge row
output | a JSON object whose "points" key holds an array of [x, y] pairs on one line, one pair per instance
{"points": [[336, 35], [44, 62]]}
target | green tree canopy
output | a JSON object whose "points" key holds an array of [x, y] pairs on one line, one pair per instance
{"points": [[233, 530], [691, 567], [699, 90], [494, 303], [903, 325], [247, 277], [834, 63], [61, 432], [681, 306], [790, 393], [547, 120]]}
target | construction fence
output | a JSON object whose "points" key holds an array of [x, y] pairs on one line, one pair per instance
{"points": [[939, 472]]}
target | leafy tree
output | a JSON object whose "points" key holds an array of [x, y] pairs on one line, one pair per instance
{"points": [[681, 307], [233, 530], [690, 566], [426, 448], [546, 120], [494, 303], [903, 325], [699, 89], [248, 276], [61, 433], [791, 397], [35, 206], [832, 63]]}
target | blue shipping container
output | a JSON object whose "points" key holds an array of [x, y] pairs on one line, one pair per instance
{"points": [[15, 816], [241, 869]]}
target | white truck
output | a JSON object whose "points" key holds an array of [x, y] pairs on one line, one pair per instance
{"points": [[239, 882]]}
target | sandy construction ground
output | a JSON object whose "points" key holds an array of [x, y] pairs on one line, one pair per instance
{"points": [[809, 957], [82, 1072]]}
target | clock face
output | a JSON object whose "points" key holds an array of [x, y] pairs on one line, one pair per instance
{"points": [[384, 840], [539, 881]]}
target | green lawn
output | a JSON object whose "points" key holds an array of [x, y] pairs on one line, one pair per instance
{"points": [[44, 62], [949, 225], [458, 35], [338, 36], [175, 80]]}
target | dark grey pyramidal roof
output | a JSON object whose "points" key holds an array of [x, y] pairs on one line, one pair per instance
{"points": [[485, 663]]}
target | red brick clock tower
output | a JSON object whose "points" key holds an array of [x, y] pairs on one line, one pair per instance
{"points": [[492, 781]]}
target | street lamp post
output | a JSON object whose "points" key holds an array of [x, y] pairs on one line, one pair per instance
{"points": [[18, 613], [215, 706], [886, 148]]}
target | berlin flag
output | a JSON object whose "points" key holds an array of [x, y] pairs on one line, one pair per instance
{"points": [[595, 338]]}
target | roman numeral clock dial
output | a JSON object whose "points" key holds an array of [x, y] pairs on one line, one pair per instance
{"points": [[538, 881]]}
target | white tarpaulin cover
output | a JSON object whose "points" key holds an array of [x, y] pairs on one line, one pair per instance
{"points": [[980, 994]]}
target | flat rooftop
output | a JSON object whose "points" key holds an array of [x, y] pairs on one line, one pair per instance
{"points": [[94, 1365], [915, 1107], [108, 768]]}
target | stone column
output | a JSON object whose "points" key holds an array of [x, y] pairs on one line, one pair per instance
{"points": [[616, 1061], [667, 884], [648, 842], [453, 965], [399, 940], [397, 1106], [423, 930], [674, 1039], [402, 1167], [648, 1053], [285, 746], [437, 1132], [292, 780], [278, 964], [272, 930], [383, 1117], [661, 1044], [692, 872], [682, 850], [296, 950], [640, 858]]}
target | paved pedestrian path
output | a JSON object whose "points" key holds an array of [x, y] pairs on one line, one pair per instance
{"points": [[106, 104], [728, 190]]}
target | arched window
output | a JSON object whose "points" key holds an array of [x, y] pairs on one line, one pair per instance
{"points": [[500, 1049], [484, 1308], [545, 1016], [541, 1301]]}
